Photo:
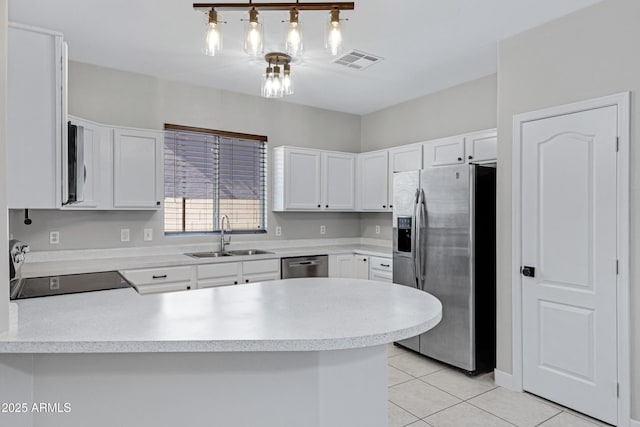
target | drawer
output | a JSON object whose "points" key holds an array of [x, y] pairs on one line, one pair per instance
{"points": [[218, 281], [163, 287], [381, 276], [213, 271], [260, 277], [262, 266], [158, 275], [382, 264]]}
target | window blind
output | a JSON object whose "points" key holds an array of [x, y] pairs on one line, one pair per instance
{"points": [[209, 174]]}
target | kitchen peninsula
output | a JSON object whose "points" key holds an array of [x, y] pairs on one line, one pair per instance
{"points": [[298, 352]]}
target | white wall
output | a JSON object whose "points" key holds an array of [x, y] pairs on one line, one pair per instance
{"points": [[468, 107], [4, 258], [591, 53], [127, 99]]}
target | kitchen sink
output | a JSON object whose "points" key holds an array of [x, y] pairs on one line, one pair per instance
{"points": [[229, 253], [208, 254], [249, 252]]}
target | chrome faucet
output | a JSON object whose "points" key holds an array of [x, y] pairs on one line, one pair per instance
{"points": [[224, 242]]}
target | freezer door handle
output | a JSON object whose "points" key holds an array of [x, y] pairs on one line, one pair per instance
{"points": [[419, 244]]}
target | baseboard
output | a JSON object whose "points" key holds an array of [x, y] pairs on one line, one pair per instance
{"points": [[504, 379]]}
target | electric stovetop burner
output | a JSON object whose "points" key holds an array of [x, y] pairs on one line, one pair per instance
{"points": [[68, 284]]}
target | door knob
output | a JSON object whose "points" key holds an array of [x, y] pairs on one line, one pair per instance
{"points": [[528, 271]]}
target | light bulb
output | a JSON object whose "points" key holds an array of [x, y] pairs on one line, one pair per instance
{"points": [[253, 39], [334, 33], [277, 83], [293, 43], [287, 83], [213, 40]]}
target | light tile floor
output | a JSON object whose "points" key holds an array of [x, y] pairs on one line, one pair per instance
{"points": [[424, 393]]}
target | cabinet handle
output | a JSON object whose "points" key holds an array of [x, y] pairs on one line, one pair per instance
{"points": [[364, 259], [385, 265], [246, 281], [157, 203], [188, 287], [326, 206], [470, 157], [163, 276], [384, 206], [459, 159], [391, 206], [319, 206]]}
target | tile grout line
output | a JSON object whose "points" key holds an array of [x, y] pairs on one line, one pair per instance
{"points": [[491, 413], [549, 418]]}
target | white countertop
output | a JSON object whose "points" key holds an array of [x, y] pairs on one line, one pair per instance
{"points": [[138, 259], [312, 314]]}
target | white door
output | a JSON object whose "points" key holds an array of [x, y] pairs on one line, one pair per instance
{"points": [[339, 181], [569, 236]]}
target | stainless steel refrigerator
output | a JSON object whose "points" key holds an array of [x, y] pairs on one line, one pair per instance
{"points": [[444, 243]]}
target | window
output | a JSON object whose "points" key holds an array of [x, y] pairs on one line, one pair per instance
{"points": [[208, 174]]}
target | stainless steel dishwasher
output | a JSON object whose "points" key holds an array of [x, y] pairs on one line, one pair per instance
{"points": [[305, 266]]}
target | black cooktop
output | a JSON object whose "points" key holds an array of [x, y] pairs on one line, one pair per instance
{"points": [[68, 284]]}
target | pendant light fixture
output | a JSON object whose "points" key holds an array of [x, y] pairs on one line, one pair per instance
{"points": [[276, 81], [335, 33], [293, 42], [254, 35], [213, 40]]}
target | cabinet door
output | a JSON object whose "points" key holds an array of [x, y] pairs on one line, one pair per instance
{"points": [[481, 146], [93, 138], [302, 175], [339, 181], [137, 170], [403, 159], [341, 266], [361, 267], [36, 118], [373, 181], [218, 274], [260, 271], [443, 152]]}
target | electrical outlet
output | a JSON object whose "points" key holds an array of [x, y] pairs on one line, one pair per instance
{"points": [[377, 229], [54, 237], [278, 231], [148, 234], [124, 235], [323, 229]]}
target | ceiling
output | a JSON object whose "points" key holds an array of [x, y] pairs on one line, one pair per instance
{"points": [[427, 45]]}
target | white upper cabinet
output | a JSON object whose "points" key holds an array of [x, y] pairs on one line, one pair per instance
{"points": [[373, 181], [137, 169], [338, 183], [313, 180], [481, 146], [36, 117], [444, 152], [402, 159]]}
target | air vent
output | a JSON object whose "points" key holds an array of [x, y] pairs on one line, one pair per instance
{"points": [[357, 60]]}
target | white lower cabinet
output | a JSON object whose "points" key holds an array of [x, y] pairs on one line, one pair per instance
{"points": [[236, 273], [165, 279], [341, 266], [220, 274], [381, 269], [260, 271], [360, 267]]}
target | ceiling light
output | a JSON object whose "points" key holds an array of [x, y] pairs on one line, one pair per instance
{"points": [[293, 42], [254, 35], [213, 41], [335, 33], [276, 81]]}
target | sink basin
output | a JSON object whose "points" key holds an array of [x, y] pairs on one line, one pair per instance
{"points": [[249, 252], [208, 254]]}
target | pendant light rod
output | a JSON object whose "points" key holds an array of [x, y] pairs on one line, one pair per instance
{"points": [[277, 6]]}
